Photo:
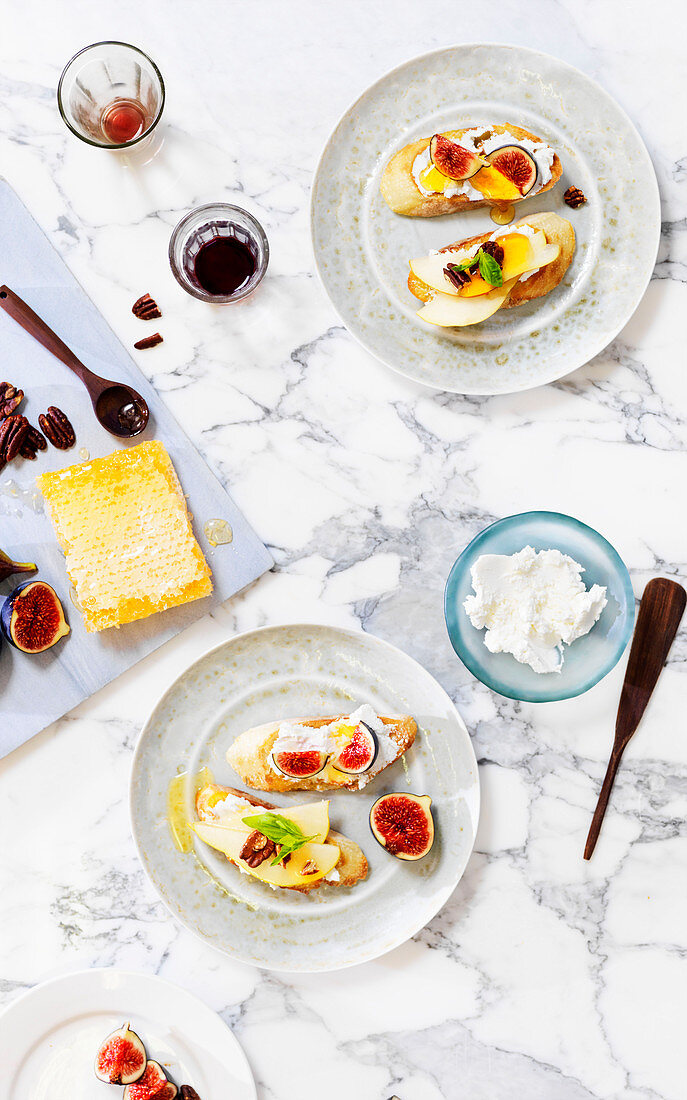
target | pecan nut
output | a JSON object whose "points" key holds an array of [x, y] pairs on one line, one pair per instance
{"points": [[57, 428], [13, 432], [309, 867], [146, 308], [148, 342], [574, 197], [10, 399], [34, 441], [493, 249], [257, 848]]}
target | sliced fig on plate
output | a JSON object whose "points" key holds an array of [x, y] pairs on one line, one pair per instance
{"points": [[359, 754], [8, 567], [403, 824], [121, 1058], [300, 765], [152, 1085], [454, 160], [32, 618], [517, 165], [169, 1092]]}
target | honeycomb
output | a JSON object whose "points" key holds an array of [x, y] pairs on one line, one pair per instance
{"points": [[123, 526]]}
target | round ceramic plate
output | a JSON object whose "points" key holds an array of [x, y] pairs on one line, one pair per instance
{"points": [[282, 672], [362, 248], [49, 1037], [588, 659]]}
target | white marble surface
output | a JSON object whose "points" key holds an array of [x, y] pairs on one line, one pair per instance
{"points": [[543, 977]]}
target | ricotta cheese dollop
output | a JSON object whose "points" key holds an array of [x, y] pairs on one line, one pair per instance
{"points": [[532, 604]]}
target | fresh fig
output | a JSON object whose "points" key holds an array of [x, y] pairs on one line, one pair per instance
{"points": [[121, 1058], [403, 824], [300, 765], [517, 165], [189, 1093], [454, 160], [359, 754], [8, 567], [152, 1085], [32, 618]]}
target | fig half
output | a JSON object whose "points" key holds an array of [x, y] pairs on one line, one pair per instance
{"points": [[32, 618], [8, 567], [403, 824], [454, 160], [359, 754], [121, 1058], [300, 765], [152, 1085], [517, 165]]}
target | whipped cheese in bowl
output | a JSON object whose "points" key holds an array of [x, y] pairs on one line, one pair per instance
{"points": [[532, 604]]}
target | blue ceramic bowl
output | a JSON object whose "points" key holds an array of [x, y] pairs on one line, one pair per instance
{"points": [[588, 659]]}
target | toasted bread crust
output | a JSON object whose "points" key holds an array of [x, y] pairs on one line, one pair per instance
{"points": [[351, 865], [249, 755], [557, 230], [402, 194]]}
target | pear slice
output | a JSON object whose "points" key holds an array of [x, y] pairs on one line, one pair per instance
{"points": [[230, 842], [312, 819], [451, 311]]}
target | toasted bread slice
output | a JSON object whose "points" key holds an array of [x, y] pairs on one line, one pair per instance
{"points": [[557, 231], [250, 754], [351, 865], [401, 193]]}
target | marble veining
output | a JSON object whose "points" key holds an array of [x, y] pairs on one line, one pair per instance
{"points": [[543, 976]]}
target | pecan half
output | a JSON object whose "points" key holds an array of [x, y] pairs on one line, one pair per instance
{"points": [[309, 867], [10, 399], [257, 848], [189, 1093], [458, 278], [146, 308], [574, 197], [148, 342], [493, 249], [13, 432], [57, 428], [34, 442]]}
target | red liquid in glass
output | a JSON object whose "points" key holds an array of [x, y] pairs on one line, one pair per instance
{"points": [[123, 121], [223, 265]]}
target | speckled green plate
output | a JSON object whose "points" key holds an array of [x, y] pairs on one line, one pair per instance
{"points": [[362, 248], [281, 672]]}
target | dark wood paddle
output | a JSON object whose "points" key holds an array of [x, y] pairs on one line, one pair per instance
{"points": [[659, 616]]}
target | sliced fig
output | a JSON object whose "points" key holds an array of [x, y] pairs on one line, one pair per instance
{"points": [[32, 618], [8, 567], [359, 754], [454, 160], [300, 765], [403, 824], [121, 1058], [151, 1086], [168, 1093], [517, 165]]}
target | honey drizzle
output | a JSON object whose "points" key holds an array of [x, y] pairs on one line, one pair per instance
{"points": [[502, 215], [178, 806], [218, 532]]}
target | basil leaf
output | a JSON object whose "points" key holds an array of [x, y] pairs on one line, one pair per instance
{"points": [[489, 269]]}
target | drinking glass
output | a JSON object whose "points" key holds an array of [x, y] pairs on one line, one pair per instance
{"points": [[111, 95], [205, 225]]}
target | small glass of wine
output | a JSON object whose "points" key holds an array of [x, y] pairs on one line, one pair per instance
{"points": [[219, 253], [111, 95]]}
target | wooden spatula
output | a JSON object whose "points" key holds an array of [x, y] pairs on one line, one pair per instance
{"points": [[659, 616]]}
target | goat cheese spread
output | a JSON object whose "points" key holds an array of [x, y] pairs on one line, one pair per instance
{"points": [[294, 737], [532, 604], [542, 153]]}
